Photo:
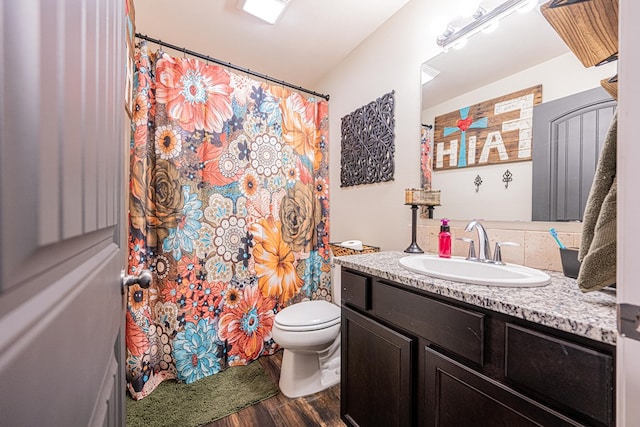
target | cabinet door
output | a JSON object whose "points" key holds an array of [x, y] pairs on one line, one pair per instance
{"points": [[377, 370], [561, 373], [568, 135], [457, 396]]}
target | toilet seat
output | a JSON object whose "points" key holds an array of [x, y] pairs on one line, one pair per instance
{"points": [[308, 316]]}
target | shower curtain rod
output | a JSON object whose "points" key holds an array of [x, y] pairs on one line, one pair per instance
{"points": [[228, 64]]}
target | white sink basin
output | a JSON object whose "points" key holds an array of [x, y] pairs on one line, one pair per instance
{"points": [[458, 269]]}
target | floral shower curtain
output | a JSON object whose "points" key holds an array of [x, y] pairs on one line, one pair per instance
{"points": [[229, 210], [426, 157]]}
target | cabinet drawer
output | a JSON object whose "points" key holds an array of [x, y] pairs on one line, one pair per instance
{"points": [[560, 372], [356, 290], [450, 328]]}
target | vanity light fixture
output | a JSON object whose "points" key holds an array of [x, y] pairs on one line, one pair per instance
{"points": [[267, 10], [483, 20]]}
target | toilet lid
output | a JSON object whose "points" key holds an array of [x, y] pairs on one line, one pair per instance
{"points": [[309, 315]]}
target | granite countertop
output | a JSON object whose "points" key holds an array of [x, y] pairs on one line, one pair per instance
{"points": [[560, 305]]}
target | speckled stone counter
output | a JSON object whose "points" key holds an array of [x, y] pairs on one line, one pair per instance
{"points": [[560, 305]]}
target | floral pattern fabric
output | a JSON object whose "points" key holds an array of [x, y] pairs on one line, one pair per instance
{"points": [[426, 151], [229, 210]]}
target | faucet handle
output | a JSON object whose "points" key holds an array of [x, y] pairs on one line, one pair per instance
{"points": [[497, 255], [472, 249]]}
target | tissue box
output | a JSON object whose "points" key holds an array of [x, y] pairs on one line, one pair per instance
{"points": [[570, 263]]}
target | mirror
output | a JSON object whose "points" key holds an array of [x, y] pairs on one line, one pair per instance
{"points": [[522, 52]]}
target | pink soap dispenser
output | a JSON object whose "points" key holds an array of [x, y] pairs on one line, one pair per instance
{"points": [[444, 239]]}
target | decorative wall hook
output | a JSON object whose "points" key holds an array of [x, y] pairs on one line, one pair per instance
{"points": [[507, 177], [477, 182]]}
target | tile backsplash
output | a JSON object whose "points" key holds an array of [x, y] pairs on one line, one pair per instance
{"points": [[537, 248]]}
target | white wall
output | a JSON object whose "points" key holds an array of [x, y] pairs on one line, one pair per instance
{"points": [[561, 76], [388, 60]]}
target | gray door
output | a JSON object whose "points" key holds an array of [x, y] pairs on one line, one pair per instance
{"points": [[568, 134], [62, 187]]}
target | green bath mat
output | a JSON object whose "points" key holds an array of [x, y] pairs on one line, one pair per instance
{"points": [[175, 404]]}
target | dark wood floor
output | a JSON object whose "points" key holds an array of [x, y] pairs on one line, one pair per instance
{"points": [[319, 410]]}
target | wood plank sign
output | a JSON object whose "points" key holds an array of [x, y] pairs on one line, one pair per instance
{"points": [[491, 132]]}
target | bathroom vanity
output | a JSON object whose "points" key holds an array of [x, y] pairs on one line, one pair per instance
{"points": [[424, 351]]}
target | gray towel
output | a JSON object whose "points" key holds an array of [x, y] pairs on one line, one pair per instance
{"points": [[598, 242]]}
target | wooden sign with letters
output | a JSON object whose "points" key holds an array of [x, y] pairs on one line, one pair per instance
{"points": [[491, 132]]}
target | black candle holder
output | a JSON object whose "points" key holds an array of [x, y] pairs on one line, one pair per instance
{"points": [[413, 247], [430, 211], [415, 197]]}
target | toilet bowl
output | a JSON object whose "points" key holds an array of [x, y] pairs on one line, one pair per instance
{"points": [[309, 332]]}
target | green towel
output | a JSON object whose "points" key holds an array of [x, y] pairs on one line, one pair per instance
{"points": [[598, 242]]}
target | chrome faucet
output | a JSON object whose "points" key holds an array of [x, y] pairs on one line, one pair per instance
{"points": [[484, 250]]}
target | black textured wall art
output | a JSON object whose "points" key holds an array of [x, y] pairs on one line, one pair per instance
{"points": [[367, 143]]}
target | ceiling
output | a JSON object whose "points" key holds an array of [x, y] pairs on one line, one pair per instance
{"points": [[302, 53], [309, 39]]}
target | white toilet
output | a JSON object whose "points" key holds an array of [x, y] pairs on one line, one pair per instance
{"points": [[309, 332]]}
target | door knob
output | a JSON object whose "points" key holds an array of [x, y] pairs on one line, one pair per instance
{"points": [[143, 279]]}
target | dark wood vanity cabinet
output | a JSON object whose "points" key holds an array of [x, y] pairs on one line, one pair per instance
{"points": [[410, 358], [379, 362]]}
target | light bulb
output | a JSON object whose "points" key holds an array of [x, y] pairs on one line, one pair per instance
{"points": [[490, 27], [468, 7], [438, 25], [460, 43]]}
